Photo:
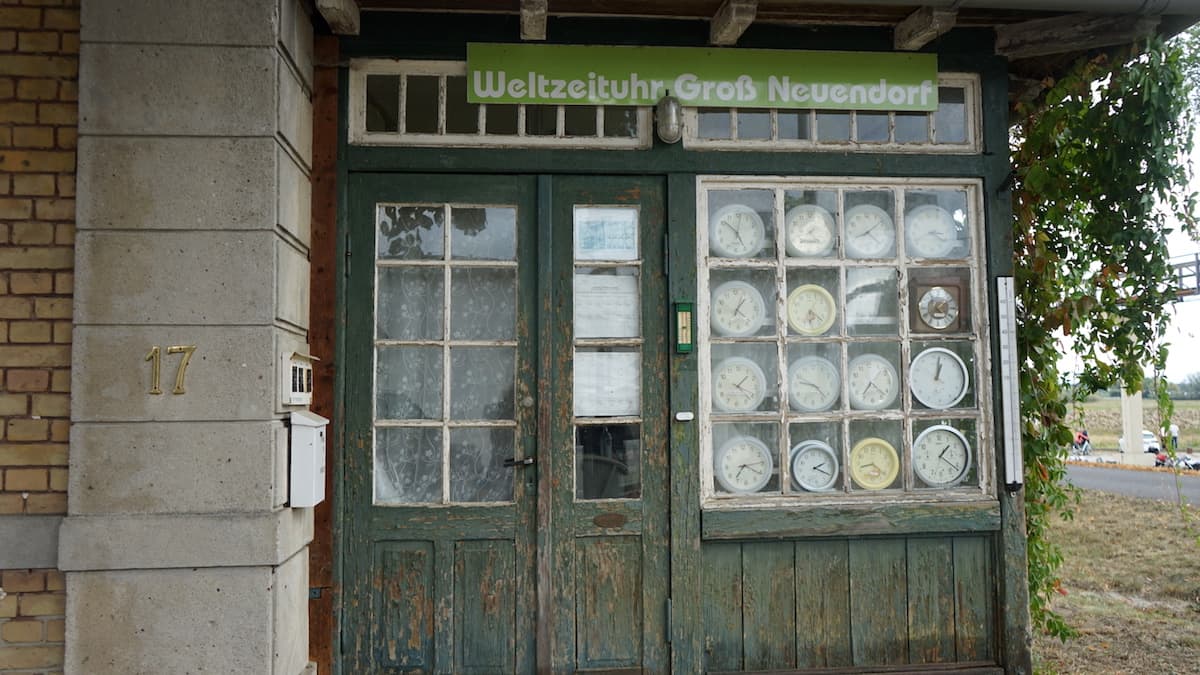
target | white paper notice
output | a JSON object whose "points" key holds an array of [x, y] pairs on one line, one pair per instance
{"points": [[606, 233], [607, 384], [606, 306]]}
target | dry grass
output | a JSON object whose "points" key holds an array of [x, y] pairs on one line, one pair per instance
{"points": [[1131, 585]]}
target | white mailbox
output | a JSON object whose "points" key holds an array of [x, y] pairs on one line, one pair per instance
{"points": [[308, 459]]}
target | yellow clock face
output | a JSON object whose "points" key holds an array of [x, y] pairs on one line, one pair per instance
{"points": [[874, 464], [811, 309]]}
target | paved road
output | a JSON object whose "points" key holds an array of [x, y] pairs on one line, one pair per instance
{"points": [[1145, 484]]}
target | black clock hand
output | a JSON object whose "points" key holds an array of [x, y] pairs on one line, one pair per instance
{"points": [[821, 468], [814, 386], [937, 373], [738, 309]]}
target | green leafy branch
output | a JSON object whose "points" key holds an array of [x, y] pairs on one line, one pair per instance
{"points": [[1100, 179]]}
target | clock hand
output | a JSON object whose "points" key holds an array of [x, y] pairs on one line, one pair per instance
{"points": [[814, 386], [937, 373], [738, 309], [948, 461], [821, 468]]}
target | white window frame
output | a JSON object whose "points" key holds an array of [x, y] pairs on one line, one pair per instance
{"points": [[972, 144], [358, 134], [984, 489]]}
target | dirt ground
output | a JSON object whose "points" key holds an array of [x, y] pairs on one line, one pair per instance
{"points": [[1131, 587]]}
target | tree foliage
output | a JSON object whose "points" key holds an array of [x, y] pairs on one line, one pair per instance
{"points": [[1100, 178]]}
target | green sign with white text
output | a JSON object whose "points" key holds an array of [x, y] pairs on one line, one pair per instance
{"points": [[700, 77]]}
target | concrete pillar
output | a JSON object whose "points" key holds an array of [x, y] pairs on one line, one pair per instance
{"points": [[193, 231], [1131, 426]]}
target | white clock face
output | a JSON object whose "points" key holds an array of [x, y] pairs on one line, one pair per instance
{"points": [[811, 309], [872, 382], [736, 231], [941, 456], [938, 378], [814, 466], [938, 308], [743, 465], [874, 463], [738, 309], [870, 232], [813, 384], [929, 232], [739, 385], [810, 231]]}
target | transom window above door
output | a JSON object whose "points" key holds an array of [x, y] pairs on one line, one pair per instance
{"points": [[424, 103]]}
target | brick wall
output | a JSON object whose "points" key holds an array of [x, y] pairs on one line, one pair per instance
{"points": [[39, 46]]}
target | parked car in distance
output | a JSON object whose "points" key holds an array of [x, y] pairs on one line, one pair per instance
{"points": [[1149, 443]]}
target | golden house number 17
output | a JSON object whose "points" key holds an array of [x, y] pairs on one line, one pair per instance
{"points": [[155, 359]]}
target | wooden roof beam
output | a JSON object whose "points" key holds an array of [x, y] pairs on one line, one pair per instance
{"points": [[922, 27], [1071, 32], [341, 15], [731, 20], [533, 19]]}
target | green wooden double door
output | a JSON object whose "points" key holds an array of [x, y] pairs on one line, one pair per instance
{"points": [[505, 499]]}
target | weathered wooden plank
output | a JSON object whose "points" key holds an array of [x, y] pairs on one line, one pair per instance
{"points": [[1071, 32], [608, 602], [323, 309], [924, 669], [608, 517], [923, 26], [656, 505], [769, 605], [931, 630], [974, 590], [732, 19], [878, 602], [444, 603], [858, 520], [485, 607], [687, 621], [822, 604], [721, 598], [444, 522], [403, 606]]}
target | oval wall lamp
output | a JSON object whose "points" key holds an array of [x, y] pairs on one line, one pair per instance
{"points": [[668, 119]]}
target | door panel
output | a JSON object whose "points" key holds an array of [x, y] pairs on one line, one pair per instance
{"points": [[440, 387], [473, 303]]}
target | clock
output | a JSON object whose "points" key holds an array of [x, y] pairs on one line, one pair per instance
{"points": [[738, 309], [872, 382], [938, 378], [811, 310], [874, 463], [813, 384], [870, 232], [929, 232], [736, 231], [743, 465], [938, 308], [814, 465], [739, 385], [810, 231], [941, 456]]}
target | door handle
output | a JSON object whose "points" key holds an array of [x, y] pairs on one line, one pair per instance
{"points": [[512, 462]]}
